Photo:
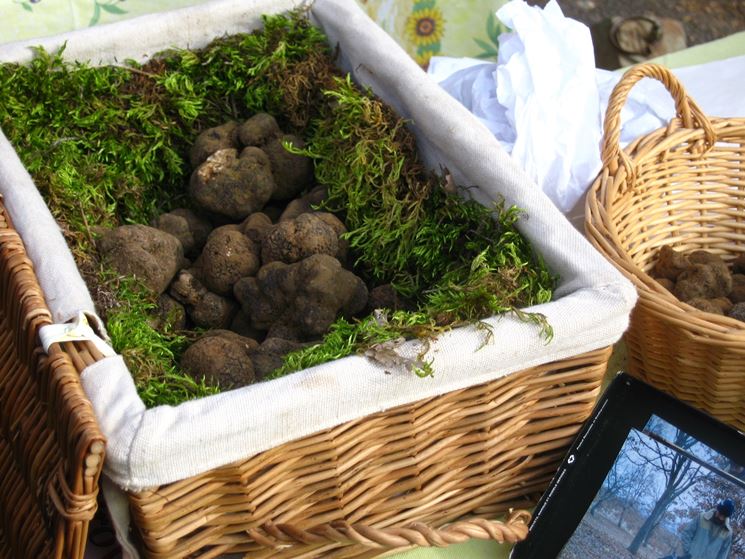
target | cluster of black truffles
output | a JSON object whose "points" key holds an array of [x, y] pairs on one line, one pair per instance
{"points": [[254, 262]]}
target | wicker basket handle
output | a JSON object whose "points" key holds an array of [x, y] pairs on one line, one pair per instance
{"points": [[686, 109], [276, 536]]}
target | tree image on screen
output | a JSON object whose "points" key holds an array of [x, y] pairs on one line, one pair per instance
{"points": [[667, 496]]}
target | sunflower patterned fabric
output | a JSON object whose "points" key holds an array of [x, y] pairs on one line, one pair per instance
{"points": [[424, 28]]}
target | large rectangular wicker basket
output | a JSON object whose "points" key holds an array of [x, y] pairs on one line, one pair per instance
{"points": [[682, 186], [484, 435]]}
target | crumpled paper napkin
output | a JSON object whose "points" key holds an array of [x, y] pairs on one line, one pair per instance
{"points": [[545, 101]]}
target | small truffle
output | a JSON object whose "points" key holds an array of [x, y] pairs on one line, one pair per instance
{"points": [[718, 265], [340, 229], [255, 226], [171, 314], [292, 173], [670, 263], [228, 256], [233, 186], [723, 303], [176, 226], [706, 305], [737, 293], [738, 265], [206, 309], [269, 356], [304, 204], [291, 241], [212, 140], [241, 324], [737, 312], [199, 228], [150, 255], [221, 359], [666, 283], [213, 311], [258, 130], [385, 297]]}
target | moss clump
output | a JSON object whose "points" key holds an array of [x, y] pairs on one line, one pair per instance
{"points": [[149, 352], [109, 145]]}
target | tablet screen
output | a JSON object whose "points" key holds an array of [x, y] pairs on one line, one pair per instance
{"points": [[648, 478]]}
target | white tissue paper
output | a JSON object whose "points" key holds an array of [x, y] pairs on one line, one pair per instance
{"points": [[545, 101]]}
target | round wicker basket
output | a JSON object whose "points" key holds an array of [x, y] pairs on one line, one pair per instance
{"points": [[682, 186]]}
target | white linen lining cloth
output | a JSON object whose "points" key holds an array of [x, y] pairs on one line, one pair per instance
{"points": [[147, 448]]}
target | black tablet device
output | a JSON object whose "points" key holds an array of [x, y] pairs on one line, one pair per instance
{"points": [[648, 477]]}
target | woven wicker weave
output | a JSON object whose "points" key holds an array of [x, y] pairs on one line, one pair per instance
{"points": [[683, 186], [385, 481], [51, 451]]}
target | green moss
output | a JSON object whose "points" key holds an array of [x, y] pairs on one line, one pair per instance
{"points": [[109, 146], [346, 338]]}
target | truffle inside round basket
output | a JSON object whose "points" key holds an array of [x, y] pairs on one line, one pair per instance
{"points": [[334, 459], [679, 187]]}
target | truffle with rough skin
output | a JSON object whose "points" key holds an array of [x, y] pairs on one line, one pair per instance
{"points": [[706, 305], [340, 229], [212, 140], [292, 173], [738, 265], [304, 204], [233, 186], [718, 265], [199, 227], [707, 281], [255, 226], [307, 295], [206, 309], [292, 240], [149, 254], [213, 311], [221, 358], [171, 314], [723, 304], [258, 130], [269, 356], [666, 283], [228, 256], [241, 324], [285, 332], [176, 226], [187, 227], [670, 263], [385, 297]]}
